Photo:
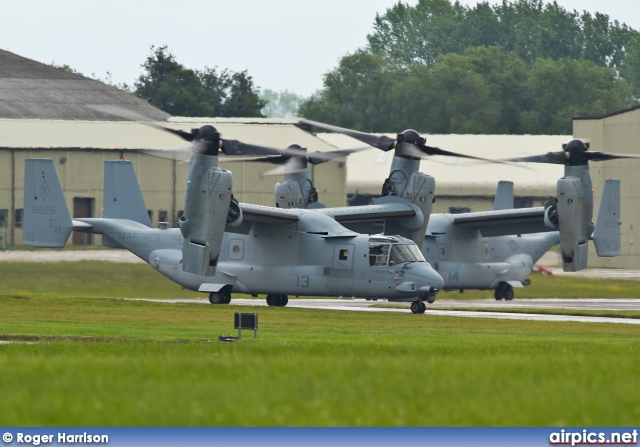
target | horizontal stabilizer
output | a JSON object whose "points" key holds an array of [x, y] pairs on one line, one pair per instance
{"points": [[47, 222], [606, 236]]}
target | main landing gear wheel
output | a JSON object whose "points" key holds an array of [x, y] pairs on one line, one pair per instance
{"points": [[504, 292], [418, 307], [277, 300], [508, 293], [221, 297]]}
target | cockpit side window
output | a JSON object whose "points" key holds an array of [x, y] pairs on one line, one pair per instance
{"points": [[402, 253], [415, 251], [378, 255]]}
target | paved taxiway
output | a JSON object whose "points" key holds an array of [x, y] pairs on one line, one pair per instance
{"points": [[361, 305]]}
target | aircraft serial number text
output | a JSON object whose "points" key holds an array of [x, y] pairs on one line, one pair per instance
{"points": [[43, 209]]}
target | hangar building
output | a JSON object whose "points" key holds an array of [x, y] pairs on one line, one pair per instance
{"points": [[50, 113], [617, 132]]}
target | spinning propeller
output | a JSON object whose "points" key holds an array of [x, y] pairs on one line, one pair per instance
{"points": [[206, 140], [296, 159], [407, 144], [574, 153]]}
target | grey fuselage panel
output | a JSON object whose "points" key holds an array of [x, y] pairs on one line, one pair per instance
{"points": [[276, 259]]}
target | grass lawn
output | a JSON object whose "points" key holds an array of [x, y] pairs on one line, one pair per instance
{"points": [[94, 359], [86, 278], [114, 362]]}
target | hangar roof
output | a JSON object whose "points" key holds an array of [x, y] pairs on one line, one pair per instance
{"points": [[123, 135], [456, 176], [33, 90]]}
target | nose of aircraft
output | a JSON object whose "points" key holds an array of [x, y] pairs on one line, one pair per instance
{"points": [[436, 280], [426, 277]]}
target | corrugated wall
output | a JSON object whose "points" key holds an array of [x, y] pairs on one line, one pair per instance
{"points": [[619, 134]]}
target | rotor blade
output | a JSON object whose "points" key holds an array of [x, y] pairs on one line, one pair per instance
{"points": [[425, 150], [275, 159], [188, 136], [603, 156], [291, 166], [178, 155], [557, 158], [318, 157], [235, 147], [121, 112], [379, 141]]}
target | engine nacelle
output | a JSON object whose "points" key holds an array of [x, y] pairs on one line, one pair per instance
{"points": [[289, 195], [551, 215], [205, 216], [419, 191], [234, 216], [573, 224]]}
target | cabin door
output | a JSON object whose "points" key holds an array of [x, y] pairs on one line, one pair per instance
{"points": [[342, 268]]}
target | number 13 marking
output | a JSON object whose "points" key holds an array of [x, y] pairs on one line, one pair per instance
{"points": [[303, 281]]}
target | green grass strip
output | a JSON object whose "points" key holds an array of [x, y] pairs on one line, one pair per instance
{"points": [[114, 362]]}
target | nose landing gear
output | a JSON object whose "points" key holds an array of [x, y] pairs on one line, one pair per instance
{"points": [[504, 292], [418, 307], [220, 297], [277, 300]]}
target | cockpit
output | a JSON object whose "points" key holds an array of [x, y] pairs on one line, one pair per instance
{"points": [[387, 251]]}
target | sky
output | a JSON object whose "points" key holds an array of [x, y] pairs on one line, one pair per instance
{"points": [[283, 44]]}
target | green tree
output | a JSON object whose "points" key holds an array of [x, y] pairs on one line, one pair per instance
{"points": [[522, 66], [171, 87], [242, 98], [484, 90], [356, 93], [481, 91], [559, 90], [631, 67], [177, 90], [67, 68], [529, 28], [408, 34]]}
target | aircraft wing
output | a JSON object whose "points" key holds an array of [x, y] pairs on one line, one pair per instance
{"points": [[300, 220], [504, 222], [374, 219], [368, 213], [267, 214]]}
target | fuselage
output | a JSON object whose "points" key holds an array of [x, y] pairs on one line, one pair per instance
{"points": [[466, 259], [266, 260]]}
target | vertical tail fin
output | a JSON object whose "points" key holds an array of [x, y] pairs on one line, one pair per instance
{"points": [[47, 222], [504, 196], [122, 197], [606, 236]]}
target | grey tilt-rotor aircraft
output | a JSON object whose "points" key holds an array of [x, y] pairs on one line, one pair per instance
{"points": [[222, 246], [495, 249]]}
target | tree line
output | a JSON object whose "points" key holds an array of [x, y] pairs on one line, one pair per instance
{"points": [[519, 67], [169, 86]]}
